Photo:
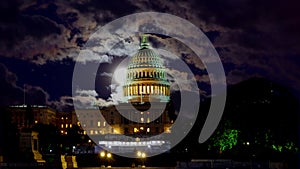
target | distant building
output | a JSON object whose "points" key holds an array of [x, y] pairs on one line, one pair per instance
{"points": [[24, 116], [18, 131], [66, 120]]}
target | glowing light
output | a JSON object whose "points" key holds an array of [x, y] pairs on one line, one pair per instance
{"points": [[102, 154], [108, 155], [120, 75], [143, 155]]}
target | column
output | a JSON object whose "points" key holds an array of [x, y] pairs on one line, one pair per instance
{"points": [[128, 90], [140, 89]]}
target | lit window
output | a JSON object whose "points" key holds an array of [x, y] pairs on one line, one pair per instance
{"points": [[84, 132], [135, 130], [70, 125], [62, 118], [99, 123], [62, 126], [91, 131], [66, 125], [168, 130], [142, 128], [61, 131], [35, 121], [148, 120], [142, 119], [104, 123], [148, 130], [78, 123]]}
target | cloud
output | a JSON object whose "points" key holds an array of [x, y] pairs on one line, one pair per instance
{"points": [[12, 94], [82, 99], [181, 80], [257, 35], [105, 74], [87, 93]]}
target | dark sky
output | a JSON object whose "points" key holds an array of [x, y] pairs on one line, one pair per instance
{"points": [[40, 39]]}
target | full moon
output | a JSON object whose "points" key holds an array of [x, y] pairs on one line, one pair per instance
{"points": [[120, 75]]}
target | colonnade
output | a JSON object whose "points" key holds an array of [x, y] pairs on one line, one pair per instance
{"points": [[140, 89], [146, 74]]}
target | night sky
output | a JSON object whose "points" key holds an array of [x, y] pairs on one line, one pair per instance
{"points": [[39, 41]]}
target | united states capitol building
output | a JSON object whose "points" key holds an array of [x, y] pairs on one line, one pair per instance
{"points": [[135, 124]]}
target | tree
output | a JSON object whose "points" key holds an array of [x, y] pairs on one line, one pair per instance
{"points": [[225, 138]]}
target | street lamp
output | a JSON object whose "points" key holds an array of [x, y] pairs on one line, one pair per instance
{"points": [[139, 154], [107, 157], [102, 154], [142, 156]]}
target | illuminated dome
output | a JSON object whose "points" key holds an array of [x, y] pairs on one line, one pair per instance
{"points": [[146, 77]]}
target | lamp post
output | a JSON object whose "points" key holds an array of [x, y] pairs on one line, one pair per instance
{"points": [[142, 156], [106, 156]]}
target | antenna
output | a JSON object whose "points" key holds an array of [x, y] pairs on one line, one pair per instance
{"points": [[24, 101]]}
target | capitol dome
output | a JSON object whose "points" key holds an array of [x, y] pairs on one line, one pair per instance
{"points": [[146, 76]]}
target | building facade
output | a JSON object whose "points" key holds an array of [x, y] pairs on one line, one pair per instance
{"points": [[66, 121], [24, 116]]}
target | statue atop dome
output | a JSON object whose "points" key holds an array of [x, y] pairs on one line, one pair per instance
{"points": [[144, 42]]}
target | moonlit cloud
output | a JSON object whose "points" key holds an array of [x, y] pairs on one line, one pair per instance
{"points": [[106, 74], [12, 94], [249, 39]]}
